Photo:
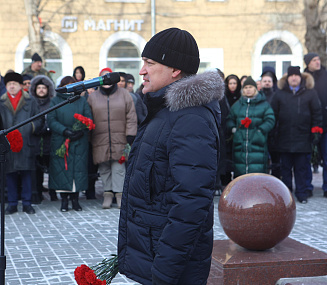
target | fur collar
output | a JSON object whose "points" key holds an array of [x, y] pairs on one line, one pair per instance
{"points": [[307, 77], [195, 90]]}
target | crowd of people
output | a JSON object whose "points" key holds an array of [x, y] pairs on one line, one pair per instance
{"points": [[276, 126], [266, 127], [72, 154], [190, 134]]}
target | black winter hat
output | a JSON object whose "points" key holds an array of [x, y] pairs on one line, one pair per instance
{"points": [[13, 76], [293, 70], [309, 56], [174, 48], [27, 77], [249, 81], [36, 57], [130, 78]]}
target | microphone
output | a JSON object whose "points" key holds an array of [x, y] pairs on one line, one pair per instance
{"points": [[107, 79]]}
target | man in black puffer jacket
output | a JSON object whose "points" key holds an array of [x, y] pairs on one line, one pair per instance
{"points": [[166, 218], [297, 110]]}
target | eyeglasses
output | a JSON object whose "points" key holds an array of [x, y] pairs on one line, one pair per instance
{"points": [[26, 83]]}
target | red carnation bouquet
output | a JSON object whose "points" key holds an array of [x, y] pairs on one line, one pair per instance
{"points": [[315, 154], [246, 122], [100, 274], [81, 124], [126, 152], [15, 140]]}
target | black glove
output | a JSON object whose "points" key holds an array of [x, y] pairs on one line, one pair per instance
{"points": [[130, 139], [73, 135], [77, 135]]}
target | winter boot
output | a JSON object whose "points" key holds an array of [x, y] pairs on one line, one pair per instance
{"points": [[53, 195], [76, 206], [118, 198], [64, 202], [107, 201]]}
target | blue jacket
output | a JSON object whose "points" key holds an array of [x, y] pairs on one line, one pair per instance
{"points": [[166, 218]]}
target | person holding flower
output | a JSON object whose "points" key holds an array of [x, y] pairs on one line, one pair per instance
{"points": [[16, 106], [250, 120], [297, 109], [116, 125], [68, 171]]}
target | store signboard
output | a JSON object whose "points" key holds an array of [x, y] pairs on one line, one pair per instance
{"points": [[69, 25]]}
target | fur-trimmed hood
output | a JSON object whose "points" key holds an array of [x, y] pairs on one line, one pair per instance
{"points": [[195, 90], [306, 77], [46, 81]]}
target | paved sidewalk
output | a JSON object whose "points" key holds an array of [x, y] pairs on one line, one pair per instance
{"points": [[45, 248]]}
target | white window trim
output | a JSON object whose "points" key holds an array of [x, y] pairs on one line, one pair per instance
{"points": [[134, 38], [58, 41], [289, 38]]}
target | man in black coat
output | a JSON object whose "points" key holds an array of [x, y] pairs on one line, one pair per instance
{"points": [[319, 74], [297, 109], [17, 106], [166, 218]]}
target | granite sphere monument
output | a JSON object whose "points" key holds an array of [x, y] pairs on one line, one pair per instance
{"points": [[257, 211]]}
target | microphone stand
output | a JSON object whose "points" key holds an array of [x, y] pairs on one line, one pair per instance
{"points": [[4, 148]]}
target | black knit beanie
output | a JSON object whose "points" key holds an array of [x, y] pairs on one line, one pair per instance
{"points": [[309, 56], [174, 48], [36, 57], [13, 76], [293, 70], [249, 81]]}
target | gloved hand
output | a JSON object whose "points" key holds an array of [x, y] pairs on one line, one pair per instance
{"points": [[130, 139], [73, 135], [68, 133], [77, 135]]}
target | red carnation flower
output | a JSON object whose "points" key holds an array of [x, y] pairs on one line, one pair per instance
{"points": [[317, 129], [246, 122], [15, 140], [122, 159]]}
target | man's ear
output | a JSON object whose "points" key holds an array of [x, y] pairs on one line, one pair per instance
{"points": [[176, 72]]}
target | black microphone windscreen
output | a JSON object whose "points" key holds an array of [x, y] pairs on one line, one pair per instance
{"points": [[111, 78]]}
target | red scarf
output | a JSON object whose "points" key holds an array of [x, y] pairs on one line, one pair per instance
{"points": [[14, 100]]}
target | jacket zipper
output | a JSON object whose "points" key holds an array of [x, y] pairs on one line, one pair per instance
{"points": [[247, 139]]}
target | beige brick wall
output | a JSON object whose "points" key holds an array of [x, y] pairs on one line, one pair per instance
{"points": [[233, 25]]}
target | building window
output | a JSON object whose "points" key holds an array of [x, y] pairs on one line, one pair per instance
{"points": [[278, 55], [124, 56], [53, 60], [59, 56], [278, 49]]}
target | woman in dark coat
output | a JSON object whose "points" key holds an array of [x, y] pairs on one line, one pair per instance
{"points": [[232, 89], [232, 94], [250, 150], [69, 174]]}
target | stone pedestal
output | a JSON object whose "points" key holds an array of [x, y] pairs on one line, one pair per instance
{"points": [[232, 264]]}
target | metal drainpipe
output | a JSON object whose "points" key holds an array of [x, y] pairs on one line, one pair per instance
{"points": [[153, 17]]}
